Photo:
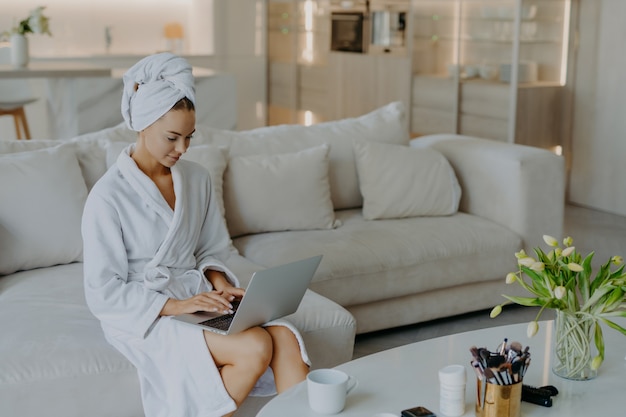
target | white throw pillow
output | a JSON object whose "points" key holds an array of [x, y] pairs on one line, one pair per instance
{"points": [[214, 159], [113, 150], [399, 181], [43, 194], [211, 157], [268, 193]]}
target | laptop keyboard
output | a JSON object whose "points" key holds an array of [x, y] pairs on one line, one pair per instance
{"points": [[222, 322]]}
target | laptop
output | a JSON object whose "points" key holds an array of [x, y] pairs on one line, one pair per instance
{"points": [[272, 293]]}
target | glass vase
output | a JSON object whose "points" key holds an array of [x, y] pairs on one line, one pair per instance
{"points": [[574, 347]]}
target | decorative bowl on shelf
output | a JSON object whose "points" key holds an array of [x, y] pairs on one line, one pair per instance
{"points": [[470, 71], [488, 72]]}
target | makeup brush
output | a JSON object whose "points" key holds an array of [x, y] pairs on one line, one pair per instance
{"points": [[516, 347], [491, 376]]}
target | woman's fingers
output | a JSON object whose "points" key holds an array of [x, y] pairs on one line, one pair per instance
{"points": [[233, 292], [215, 301]]}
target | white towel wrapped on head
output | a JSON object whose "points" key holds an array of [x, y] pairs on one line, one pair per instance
{"points": [[152, 86]]}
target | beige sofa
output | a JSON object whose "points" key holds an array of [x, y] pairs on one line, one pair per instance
{"points": [[408, 234]]}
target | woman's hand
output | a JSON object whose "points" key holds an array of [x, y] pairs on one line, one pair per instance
{"points": [[231, 293], [221, 283], [213, 301]]}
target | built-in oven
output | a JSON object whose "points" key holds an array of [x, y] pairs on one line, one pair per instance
{"points": [[349, 26]]}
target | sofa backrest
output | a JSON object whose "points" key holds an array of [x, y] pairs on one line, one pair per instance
{"points": [[90, 149], [91, 154], [385, 125]]}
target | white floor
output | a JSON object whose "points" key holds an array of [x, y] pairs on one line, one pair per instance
{"points": [[591, 230]]}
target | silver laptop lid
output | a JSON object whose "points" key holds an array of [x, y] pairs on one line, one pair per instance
{"points": [[273, 293]]}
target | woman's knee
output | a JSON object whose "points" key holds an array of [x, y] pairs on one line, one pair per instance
{"points": [[258, 346], [284, 338]]}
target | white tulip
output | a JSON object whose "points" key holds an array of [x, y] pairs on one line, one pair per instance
{"points": [[510, 278], [550, 241], [574, 267], [596, 362], [538, 266], [527, 261], [521, 254], [559, 292], [568, 251], [533, 328]]}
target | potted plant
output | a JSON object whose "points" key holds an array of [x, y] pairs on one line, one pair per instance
{"points": [[564, 281], [36, 22]]}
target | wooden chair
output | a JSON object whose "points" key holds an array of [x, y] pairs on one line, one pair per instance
{"points": [[14, 95]]}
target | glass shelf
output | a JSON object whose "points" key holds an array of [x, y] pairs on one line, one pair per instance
{"points": [[436, 18], [485, 40], [455, 38]]}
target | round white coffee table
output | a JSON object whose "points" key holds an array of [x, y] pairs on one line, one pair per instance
{"points": [[407, 376]]}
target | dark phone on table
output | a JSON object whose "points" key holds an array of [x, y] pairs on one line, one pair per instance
{"points": [[418, 412]]}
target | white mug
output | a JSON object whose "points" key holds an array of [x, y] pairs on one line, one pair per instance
{"points": [[327, 390]]}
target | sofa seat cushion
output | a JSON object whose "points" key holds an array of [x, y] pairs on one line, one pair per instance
{"points": [[56, 348], [368, 261]]}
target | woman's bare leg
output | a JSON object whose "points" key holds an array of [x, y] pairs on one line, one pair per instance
{"points": [[242, 359], [286, 363]]}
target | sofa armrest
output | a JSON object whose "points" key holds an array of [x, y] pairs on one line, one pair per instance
{"points": [[520, 187]]}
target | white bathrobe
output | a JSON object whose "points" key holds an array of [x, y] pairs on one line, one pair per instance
{"points": [[138, 252]]}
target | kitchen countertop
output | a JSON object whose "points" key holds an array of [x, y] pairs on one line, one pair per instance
{"points": [[54, 70]]}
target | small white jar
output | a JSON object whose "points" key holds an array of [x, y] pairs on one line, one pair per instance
{"points": [[452, 390]]}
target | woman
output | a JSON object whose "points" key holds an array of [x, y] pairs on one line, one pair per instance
{"points": [[153, 243]]}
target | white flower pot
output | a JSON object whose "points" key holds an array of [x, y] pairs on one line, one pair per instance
{"points": [[19, 50]]}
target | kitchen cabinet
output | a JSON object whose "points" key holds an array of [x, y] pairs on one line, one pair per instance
{"points": [[361, 83], [307, 83], [298, 73], [490, 68]]}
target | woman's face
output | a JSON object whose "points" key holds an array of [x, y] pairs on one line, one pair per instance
{"points": [[168, 138]]}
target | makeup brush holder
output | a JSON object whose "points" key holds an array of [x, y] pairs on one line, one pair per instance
{"points": [[499, 400]]}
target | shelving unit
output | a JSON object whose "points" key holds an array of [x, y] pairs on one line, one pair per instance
{"points": [[309, 84], [453, 40], [298, 43], [522, 42]]}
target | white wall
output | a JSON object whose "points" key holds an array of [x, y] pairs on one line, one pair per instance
{"points": [[78, 26], [598, 168]]}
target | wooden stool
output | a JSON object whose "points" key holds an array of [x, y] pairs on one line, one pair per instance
{"points": [[19, 117]]}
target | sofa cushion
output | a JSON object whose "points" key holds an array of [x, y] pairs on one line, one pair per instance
{"points": [[289, 191], [387, 124], [56, 351], [213, 158], [90, 149], [367, 261], [399, 181], [43, 194]]}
